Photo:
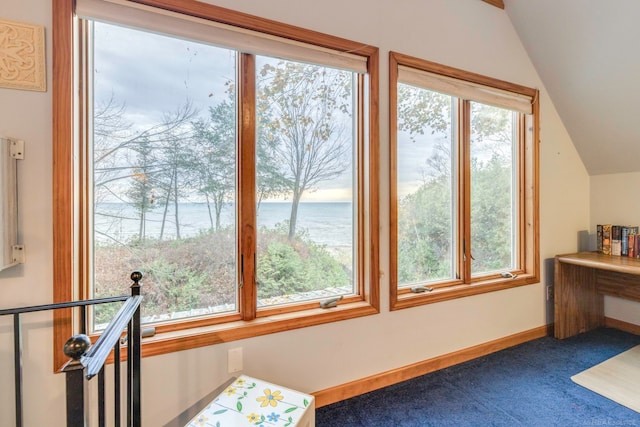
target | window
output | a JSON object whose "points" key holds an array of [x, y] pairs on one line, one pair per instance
{"points": [[463, 183], [235, 168]]}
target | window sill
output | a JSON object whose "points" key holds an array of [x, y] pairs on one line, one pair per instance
{"points": [[407, 300], [186, 339]]}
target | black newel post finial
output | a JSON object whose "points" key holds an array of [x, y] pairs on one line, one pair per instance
{"points": [[77, 346], [136, 276]]}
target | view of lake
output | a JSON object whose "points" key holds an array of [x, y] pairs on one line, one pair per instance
{"points": [[325, 223]]}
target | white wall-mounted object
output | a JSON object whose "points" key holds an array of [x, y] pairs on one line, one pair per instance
{"points": [[11, 253]]}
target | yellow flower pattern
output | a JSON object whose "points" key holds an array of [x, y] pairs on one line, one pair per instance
{"points": [[253, 417], [201, 420], [270, 398], [248, 401]]}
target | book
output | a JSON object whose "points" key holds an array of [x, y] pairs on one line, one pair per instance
{"points": [[634, 231], [606, 239], [631, 245], [624, 240], [599, 238], [637, 247], [616, 240]]}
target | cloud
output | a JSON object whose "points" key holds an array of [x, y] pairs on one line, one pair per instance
{"points": [[155, 74]]}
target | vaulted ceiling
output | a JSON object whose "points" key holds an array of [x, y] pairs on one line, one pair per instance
{"points": [[587, 53]]}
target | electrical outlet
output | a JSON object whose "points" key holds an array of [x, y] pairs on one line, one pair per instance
{"points": [[234, 360], [549, 293]]}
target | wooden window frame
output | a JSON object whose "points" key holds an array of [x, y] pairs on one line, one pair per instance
{"points": [[528, 264], [70, 248]]}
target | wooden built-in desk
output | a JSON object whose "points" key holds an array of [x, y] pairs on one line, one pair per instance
{"points": [[581, 281]]}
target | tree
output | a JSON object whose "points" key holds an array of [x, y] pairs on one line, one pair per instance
{"points": [[214, 158], [216, 153], [141, 191], [424, 232], [420, 110], [491, 187], [287, 269], [301, 112], [177, 174], [125, 156], [491, 215], [424, 216]]}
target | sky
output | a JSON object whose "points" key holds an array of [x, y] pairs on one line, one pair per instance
{"points": [[154, 75]]}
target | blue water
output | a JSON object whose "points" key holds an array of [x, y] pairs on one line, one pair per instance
{"points": [[325, 223]]}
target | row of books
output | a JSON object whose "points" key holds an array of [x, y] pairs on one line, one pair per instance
{"points": [[620, 240]]}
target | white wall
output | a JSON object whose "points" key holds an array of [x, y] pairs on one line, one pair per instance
{"points": [[614, 201], [467, 34]]}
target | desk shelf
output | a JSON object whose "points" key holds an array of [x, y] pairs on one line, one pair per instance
{"points": [[600, 261], [581, 281]]}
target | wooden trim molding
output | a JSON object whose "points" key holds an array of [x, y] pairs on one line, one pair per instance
{"points": [[69, 272], [622, 325], [384, 379], [463, 283], [223, 15], [62, 173], [496, 3]]}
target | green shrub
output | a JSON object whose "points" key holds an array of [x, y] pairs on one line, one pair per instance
{"points": [[200, 271]]}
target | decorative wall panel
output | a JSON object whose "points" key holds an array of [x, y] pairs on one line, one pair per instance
{"points": [[22, 58]]}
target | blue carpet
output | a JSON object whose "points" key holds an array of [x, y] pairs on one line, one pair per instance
{"points": [[526, 385]]}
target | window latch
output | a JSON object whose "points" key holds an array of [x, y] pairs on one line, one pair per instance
{"points": [[331, 302], [464, 252], [420, 289], [255, 269], [508, 275], [144, 333]]}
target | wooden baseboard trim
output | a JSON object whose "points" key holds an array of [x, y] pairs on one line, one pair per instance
{"points": [[622, 325], [384, 379]]}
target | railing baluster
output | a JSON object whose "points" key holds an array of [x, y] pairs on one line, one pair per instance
{"points": [[136, 354], [83, 319], [17, 339], [17, 360], [117, 386], [88, 361], [129, 373], [101, 395]]}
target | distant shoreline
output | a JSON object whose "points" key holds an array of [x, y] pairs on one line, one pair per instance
{"points": [[326, 223]]}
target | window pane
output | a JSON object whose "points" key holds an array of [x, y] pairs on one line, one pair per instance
{"points": [[425, 153], [305, 181], [493, 189], [163, 169]]}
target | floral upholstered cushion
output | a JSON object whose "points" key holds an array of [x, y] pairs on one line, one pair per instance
{"points": [[252, 402]]}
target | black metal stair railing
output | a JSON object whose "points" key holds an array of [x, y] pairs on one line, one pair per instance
{"points": [[88, 361]]}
